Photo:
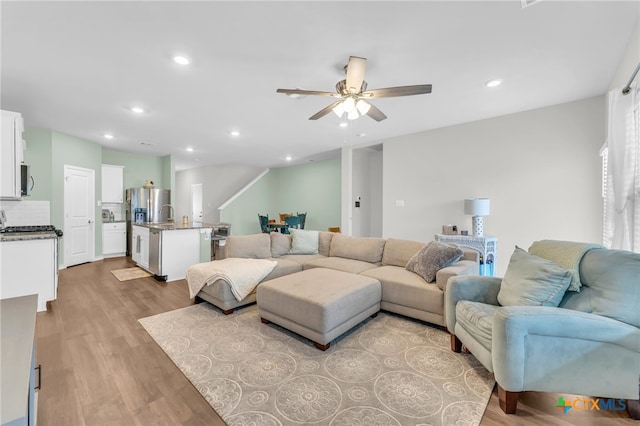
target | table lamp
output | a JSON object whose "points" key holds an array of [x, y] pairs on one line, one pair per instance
{"points": [[477, 207]]}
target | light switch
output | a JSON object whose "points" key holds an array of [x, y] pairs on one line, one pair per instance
{"points": [[399, 203]]}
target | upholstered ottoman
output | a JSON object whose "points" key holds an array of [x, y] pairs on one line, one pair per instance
{"points": [[319, 304]]}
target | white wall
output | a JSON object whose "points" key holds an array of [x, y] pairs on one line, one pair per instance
{"points": [[540, 168], [219, 183]]}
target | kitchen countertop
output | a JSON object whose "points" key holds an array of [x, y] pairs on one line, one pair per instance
{"points": [[25, 236], [113, 221], [175, 226]]}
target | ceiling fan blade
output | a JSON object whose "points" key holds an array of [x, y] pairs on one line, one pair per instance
{"points": [[389, 92], [324, 111], [355, 73], [306, 92], [375, 113]]}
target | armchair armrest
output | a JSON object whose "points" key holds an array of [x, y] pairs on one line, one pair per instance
{"points": [[469, 287], [461, 267], [562, 350]]}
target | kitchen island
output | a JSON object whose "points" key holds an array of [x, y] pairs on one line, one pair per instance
{"points": [[167, 249]]}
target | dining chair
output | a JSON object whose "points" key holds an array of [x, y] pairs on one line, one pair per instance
{"points": [[292, 222], [303, 218], [264, 223], [284, 215]]}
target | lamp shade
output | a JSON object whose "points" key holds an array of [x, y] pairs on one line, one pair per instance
{"points": [[476, 206]]}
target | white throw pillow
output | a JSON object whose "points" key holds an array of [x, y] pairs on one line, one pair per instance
{"points": [[303, 242]]}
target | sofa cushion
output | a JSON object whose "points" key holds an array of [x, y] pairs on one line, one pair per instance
{"points": [[254, 246], [301, 259], [431, 258], [533, 281], [280, 243], [303, 242], [398, 252], [358, 248], [324, 242], [477, 319], [339, 264], [405, 288], [613, 280]]}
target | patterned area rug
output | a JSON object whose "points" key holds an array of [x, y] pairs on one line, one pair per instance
{"points": [[389, 370], [130, 273]]}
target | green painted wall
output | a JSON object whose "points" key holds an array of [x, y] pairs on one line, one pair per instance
{"points": [[313, 188]]}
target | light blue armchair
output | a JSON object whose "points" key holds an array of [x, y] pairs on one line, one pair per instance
{"points": [[588, 345]]}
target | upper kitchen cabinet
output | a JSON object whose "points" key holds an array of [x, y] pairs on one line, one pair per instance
{"points": [[11, 155], [112, 184]]}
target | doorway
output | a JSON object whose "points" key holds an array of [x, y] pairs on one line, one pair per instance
{"points": [[79, 215], [196, 202]]}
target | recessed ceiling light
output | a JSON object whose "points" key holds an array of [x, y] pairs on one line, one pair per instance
{"points": [[137, 110], [197, 160], [189, 149], [361, 135], [182, 60], [493, 83], [108, 136], [288, 158], [235, 133], [344, 124], [146, 143]]}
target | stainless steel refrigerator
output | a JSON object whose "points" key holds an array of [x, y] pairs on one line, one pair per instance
{"points": [[146, 206]]}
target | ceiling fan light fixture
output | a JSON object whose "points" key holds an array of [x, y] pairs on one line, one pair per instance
{"points": [[363, 106], [349, 104], [353, 114], [339, 109]]}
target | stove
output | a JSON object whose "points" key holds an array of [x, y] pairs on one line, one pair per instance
{"points": [[31, 228]]}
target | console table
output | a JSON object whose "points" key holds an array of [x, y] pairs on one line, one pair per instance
{"points": [[487, 246]]}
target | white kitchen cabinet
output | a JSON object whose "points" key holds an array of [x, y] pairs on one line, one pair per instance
{"points": [[112, 183], [11, 155], [140, 249], [29, 267], [114, 239]]}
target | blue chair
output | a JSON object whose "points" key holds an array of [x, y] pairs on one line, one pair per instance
{"points": [[303, 218], [264, 223], [292, 222]]}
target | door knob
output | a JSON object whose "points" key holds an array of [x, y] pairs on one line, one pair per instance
{"points": [[90, 221]]}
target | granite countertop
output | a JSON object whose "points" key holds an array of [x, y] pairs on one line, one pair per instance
{"points": [[25, 236], [175, 226]]}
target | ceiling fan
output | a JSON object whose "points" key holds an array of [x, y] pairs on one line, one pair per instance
{"points": [[354, 96]]}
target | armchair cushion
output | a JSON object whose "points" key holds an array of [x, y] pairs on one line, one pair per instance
{"points": [[533, 281], [431, 258], [477, 319]]}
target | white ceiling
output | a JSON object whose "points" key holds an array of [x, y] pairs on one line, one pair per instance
{"points": [[77, 67]]}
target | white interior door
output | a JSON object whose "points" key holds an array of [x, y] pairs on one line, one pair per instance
{"points": [[79, 215], [196, 202]]}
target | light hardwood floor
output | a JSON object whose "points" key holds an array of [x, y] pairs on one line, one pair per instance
{"points": [[100, 367]]}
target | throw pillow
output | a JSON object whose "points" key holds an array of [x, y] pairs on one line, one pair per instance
{"points": [[431, 258], [280, 244], [303, 242], [533, 281]]}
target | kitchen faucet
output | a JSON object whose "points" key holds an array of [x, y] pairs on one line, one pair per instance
{"points": [[170, 218]]}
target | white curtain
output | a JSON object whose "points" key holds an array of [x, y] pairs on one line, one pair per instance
{"points": [[623, 172]]}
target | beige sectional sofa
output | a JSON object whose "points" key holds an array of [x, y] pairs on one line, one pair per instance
{"points": [[403, 292]]}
